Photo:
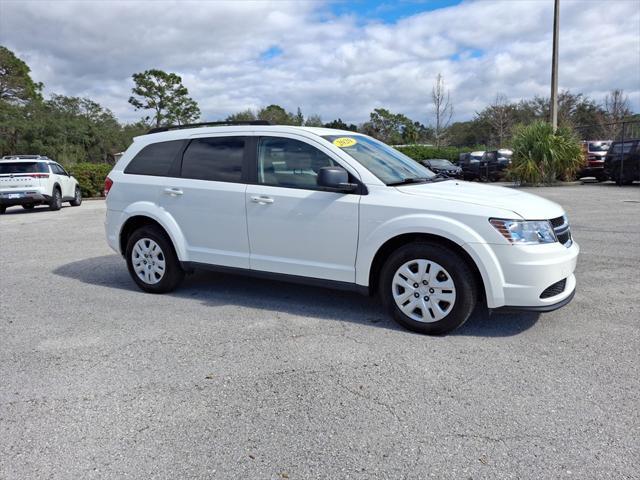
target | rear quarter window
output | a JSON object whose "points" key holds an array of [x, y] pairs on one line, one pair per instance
{"points": [[156, 159]]}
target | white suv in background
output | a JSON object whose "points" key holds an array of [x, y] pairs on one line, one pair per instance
{"points": [[31, 180], [334, 208]]}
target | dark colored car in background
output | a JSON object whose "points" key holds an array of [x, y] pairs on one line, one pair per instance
{"points": [[485, 166], [595, 152], [503, 159], [443, 166], [622, 163]]}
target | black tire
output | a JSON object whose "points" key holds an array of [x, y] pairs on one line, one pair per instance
{"points": [[28, 206], [2, 209], [77, 198], [56, 200], [466, 289], [173, 273]]}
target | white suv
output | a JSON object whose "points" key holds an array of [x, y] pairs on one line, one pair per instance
{"points": [[338, 209], [31, 180]]}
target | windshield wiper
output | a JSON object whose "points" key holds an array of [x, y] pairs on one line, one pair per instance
{"points": [[405, 181], [441, 176]]}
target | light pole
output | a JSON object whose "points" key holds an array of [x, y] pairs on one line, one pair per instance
{"points": [[554, 66]]}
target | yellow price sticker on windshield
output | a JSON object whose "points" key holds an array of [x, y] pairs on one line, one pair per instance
{"points": [[343, 142]]}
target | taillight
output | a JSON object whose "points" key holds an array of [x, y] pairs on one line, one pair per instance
{"points": [[40, 175], [108, 183]]}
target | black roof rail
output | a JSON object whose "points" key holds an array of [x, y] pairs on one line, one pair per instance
{"points": [[207, 124]]}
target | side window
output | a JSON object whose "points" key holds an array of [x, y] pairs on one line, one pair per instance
{"points": [[155, 159], [61, 170], [217, 158], [284, 162], [57, 169]]}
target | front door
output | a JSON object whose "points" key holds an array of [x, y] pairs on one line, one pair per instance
{"points": [[294, 227]]}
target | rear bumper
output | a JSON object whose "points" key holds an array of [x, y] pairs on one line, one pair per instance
{"points": [[24, 198], [593, 168]]}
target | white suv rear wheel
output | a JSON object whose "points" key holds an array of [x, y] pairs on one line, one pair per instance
{"points": [[148, 261], [152, 260]]}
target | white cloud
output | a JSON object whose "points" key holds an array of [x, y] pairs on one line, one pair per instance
{"points": [[332, 65]]}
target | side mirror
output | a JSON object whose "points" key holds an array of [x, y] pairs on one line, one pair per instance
{"points": [[335, 178]]}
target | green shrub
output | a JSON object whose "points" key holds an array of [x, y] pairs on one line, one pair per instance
{"points": [[541, 156], [91, 177], [422, 152]]}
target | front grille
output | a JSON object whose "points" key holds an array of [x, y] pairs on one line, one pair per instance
{"points": [[563, 232], [555, 289]]}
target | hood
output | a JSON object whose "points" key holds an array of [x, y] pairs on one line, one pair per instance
{"points": [[525, 205]]}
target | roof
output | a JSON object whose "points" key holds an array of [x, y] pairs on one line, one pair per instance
{"points": [[25, 158], [188, 132]]}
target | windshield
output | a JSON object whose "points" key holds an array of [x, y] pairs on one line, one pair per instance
{"points": [[386, 163], [440, 163], [22, 167], [598, 147]]}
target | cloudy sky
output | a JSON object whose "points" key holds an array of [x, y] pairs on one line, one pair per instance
{"points": [[337, 59]]}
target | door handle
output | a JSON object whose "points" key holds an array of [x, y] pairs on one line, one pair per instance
{"points": [[174, 192], [262, 200]]}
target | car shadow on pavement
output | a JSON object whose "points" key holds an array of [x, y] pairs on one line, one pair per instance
{"points": [[215, 289], [23, 211]]}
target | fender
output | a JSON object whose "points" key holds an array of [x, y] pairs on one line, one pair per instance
{"points": [[160, 215], [445, 227]]}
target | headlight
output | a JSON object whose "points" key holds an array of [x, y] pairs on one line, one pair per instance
{"points": [[525, 232]]}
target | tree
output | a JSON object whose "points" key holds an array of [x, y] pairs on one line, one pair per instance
{"points": [[165, 95], [500, 118], [340, 125], [299, 118], [276, 115], [247, 115], [16, 85], [541, 155], [442, 110], [616, 109], [389, 127], [313, 121]]}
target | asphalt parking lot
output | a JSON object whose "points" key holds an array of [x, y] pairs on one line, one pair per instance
{"points": [[232, 377]]}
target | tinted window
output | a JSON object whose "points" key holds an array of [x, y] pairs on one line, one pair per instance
{"points": [[155, 159], [57, 169], [618, 147], [218, 159], [284, 162], [23, 167]]}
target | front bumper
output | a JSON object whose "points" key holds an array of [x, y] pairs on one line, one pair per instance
{"points": [[529, 270], [8, 199], [541, 309]]}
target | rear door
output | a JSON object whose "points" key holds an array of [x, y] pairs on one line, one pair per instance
{"points": [[294, 226], [208, 200], [63, 179]]}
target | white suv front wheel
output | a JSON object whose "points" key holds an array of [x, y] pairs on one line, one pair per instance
{"points": [[152, 261], [428, 288]]}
